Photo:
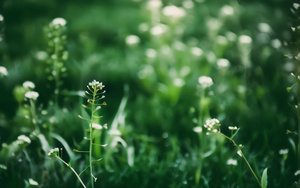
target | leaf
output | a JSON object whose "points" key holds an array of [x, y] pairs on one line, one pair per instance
{"points": [[70, 164], [64, 143], [83, 118], [84, 106], [264, 179]]}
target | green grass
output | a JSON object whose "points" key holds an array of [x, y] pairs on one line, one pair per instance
{"points": [[153, 95]]}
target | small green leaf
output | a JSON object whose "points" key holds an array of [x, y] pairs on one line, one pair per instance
{"points": [[288, 89], [264, 179], [69, 163], [87, 130]]}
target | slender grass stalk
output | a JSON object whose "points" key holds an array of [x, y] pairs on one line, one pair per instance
{"points": [[55, 153], [213, 127], [242, 154], [93, 95], [78, 177], [91, 137]]}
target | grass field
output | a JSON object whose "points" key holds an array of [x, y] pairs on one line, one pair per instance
{"points": [[198, 93]]}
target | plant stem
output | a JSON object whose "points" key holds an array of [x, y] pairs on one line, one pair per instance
{"points": [[243, 156], [91, 137], [72, 170], [297, 64]]}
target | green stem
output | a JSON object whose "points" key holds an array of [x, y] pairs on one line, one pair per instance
{"points": [[201, 136], [243, 156], [33, 114], [78, 177], [56, 70], [298, 105], [91, 137]]}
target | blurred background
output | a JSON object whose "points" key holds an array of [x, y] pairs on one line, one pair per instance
{"points": [[150, 56]]}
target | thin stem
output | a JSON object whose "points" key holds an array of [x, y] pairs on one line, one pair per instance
{"points": [[56, 76], [78, 177], [298, 105], [243, 156], [91, 137]]}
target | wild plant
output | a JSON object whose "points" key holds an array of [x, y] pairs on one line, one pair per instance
{"points": [[212, 126], [296, 59], [204, 82], [57, 53], [93, 95]]}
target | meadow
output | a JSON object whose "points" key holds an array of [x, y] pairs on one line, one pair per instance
{"points": [[149, 93]]}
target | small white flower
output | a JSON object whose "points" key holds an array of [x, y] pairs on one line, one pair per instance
{"points": [[227, 10], [244, 39], [188, 4], [3, 71], [24, 139], [231, 162], [178, 82], [283, 151], [32, 182], [297, 172], [232, 128], [97, 126], [132, 40], [205, 81], [151, 53], [59, 21], [154, 4], [212, 125], [196, 51], [223, 63], [173, 12], [96, 84], [1, 18], [239, 152], [32, 95], [28, 85], [159, 29], [264, 27], [53, 151], [197, 129]]}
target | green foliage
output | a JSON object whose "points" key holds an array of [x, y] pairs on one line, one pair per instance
{"points": [[151, 56]]}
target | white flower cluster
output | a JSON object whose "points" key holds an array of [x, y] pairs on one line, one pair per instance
{"points": [[59, 21], [28, 85], [197, 129], [3, 71], [212, 125], [231, 162], [96, 84], [132, 40], [205, 81], [173, 12], [32, 95], [53, 151]]}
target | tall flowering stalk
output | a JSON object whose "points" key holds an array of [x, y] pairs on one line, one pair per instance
{"points": [[204, 83], [57, 52], [93, 95]]}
